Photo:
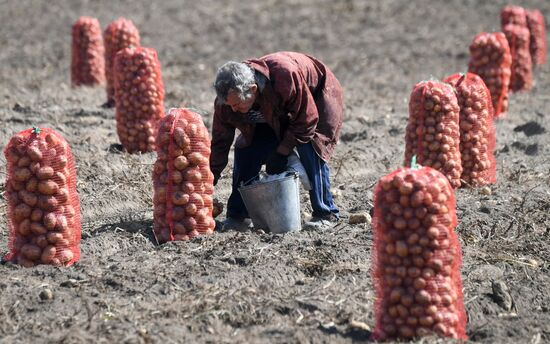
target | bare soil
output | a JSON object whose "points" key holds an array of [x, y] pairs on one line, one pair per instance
{"points": [[307, 287]]}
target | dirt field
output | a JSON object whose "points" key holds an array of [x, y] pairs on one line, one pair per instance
{"points": [[307, 287]]}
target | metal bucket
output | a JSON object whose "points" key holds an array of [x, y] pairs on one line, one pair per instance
{"points": [[274, 205]]}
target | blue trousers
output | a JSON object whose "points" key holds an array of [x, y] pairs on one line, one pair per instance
{"points": [[248, 163]]}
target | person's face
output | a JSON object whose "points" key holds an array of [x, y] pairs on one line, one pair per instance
{"points": [[237, 104]]}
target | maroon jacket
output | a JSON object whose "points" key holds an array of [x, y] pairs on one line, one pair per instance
{"points": [[302, 101]]}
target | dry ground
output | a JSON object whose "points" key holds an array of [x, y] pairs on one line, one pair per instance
{"points": [[306, 287]]}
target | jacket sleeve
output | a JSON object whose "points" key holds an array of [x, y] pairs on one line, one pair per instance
{"points": [[223, 134], [298, 101]]}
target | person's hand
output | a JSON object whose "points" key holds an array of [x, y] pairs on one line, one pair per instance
{"points": [[276, 163]]}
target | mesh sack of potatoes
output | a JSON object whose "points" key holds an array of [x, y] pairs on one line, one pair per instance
{"points": [[477, 130], [119, 34], [182, 180], [87, 61], [416, 257], [139, 98], [518, 38], [43, 205], [490, 58], [432, 132]]}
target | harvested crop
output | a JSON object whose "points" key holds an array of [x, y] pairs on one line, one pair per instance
{"points": [[87, 61], [183, 183], [477, 130], [416, 257], [513, 15], [518, 38], [433, 132], [537, 29], [139, 98], [490, 58], [119, 34], [43, 206]]}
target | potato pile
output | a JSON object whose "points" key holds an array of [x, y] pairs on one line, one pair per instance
{"points": [[522, 65], [477, 131], [118, 35], [416, 257], [139, 95], [182, 179], [490, 58], [43, 206], [537, 28], [87, 62], [432, 133]]}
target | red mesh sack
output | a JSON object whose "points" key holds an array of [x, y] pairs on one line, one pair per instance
{"points": [[513, 15], [183, 182], [43, 206], [537, 28], [416, 257], [432, 132], [490, 58], [477, 131], [139, 98], [87, 63], [521, 78], [118, 35]]}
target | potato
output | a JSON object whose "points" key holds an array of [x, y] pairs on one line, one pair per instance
{"points": [[48, 187], [40, 241], [31, 252], [180, 198], [29, 198], [178, 213], [45, 172], [24, 161], [181, 163], [34, 153], [65, 255], [32, 185], [21, 212], [50, 220], [61, 223], [24, 228], [22, 174], [193, 175], [48, 254], [47, 203], [54, 237]]}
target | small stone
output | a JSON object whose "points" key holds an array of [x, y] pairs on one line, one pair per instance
{"points": [[142, 332], [486, 191], [533, 263], [501, 295], [336, 193], [360, 325], [362, 217], [70, 283], [46, 294]]}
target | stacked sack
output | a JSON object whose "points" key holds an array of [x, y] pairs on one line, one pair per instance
{"points": [[119, 34], [477, 131], [416, 257], [490, 58], [139, 95], [43, 206], [87, 63], [433, 133], [537, 28], [514, 26], [183, 182]]}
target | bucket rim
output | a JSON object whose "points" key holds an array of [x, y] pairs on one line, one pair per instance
{"points": [[291, 174]]}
